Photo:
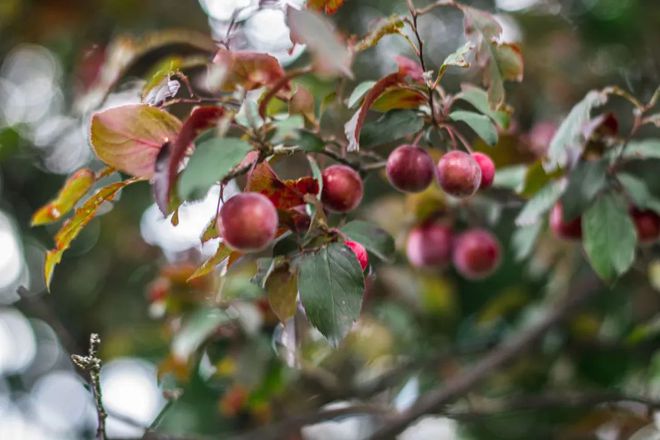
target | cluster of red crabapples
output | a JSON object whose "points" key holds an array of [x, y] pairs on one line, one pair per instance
{"points": [[475, 252], [248, 222]]}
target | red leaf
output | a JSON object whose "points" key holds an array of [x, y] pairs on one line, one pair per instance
{"points": [[170, 157], [249, 70], [328, 6], [285, 194], [411, 68], [354, 126]]}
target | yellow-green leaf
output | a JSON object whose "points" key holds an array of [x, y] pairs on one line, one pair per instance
{"points": [[220, 255], [73, 190], [282, 289]]}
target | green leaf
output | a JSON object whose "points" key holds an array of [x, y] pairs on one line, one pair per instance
{"points": [[478, 98], [310, 142], [639, 192], [481, 125], [457, 58], [373, 238], [524, 239], [287, 129], [645, 171], [510, 177], [73, 190], [282, 290], [568, 142], [643, 149], [196, 329], [390, 127], [130, 137], [609, 236], [541, 203], [358, 93], [331, 285], [584, 183], [211, 162]]}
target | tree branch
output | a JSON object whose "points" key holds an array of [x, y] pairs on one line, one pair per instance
{"points": [[92, 364], [490, 363]]}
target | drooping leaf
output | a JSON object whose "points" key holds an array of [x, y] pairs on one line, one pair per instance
{"points": [[331, 285], [374, 239], [609, 236], [478, 98], [129, 137], [196, 329], [282, 289], [125, 51], [390, 127], [586, 180], [212, 161], [392, 25], [482, 125], [169, 161], [221, 254], [81, 217], [327, 6], [568, 142], [75, 187], [642, 149], [330, 54], [354, 126], [541, 203]]}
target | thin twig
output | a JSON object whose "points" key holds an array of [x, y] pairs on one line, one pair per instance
{"points": [[490, 363], [92, 364]]}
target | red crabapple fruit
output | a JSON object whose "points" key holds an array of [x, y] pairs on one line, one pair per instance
{"points": [[487, 169], [459, 174], [360, 253], [569, 230], [342, 188], [647, 224], [248, 222], [410, 168], [476, 254], [429, 245]]}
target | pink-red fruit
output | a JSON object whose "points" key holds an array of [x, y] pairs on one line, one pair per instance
{"points": [[342, 188], [487, 169], [248, 222], [360, 253], [647, 224], [429, 245], [476, 254], [571, 230], [410, 168], [459, 174]]}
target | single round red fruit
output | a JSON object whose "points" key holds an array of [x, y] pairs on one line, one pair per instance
{"points": [[571, 230], [647, 224], [429, 245], [459, 174], [487, 169], [342, 188], [248, 222], [360, 253], [410, 168], [476, 254]]}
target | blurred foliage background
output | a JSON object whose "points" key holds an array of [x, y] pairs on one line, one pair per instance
{"points": [[108, 281]]}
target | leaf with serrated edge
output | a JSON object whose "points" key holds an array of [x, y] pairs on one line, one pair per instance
{"points": [[73, 190], [609, 236], [72, 227], [331, 285]]}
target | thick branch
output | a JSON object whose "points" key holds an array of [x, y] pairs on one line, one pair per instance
{"points": [[499, 357]]}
